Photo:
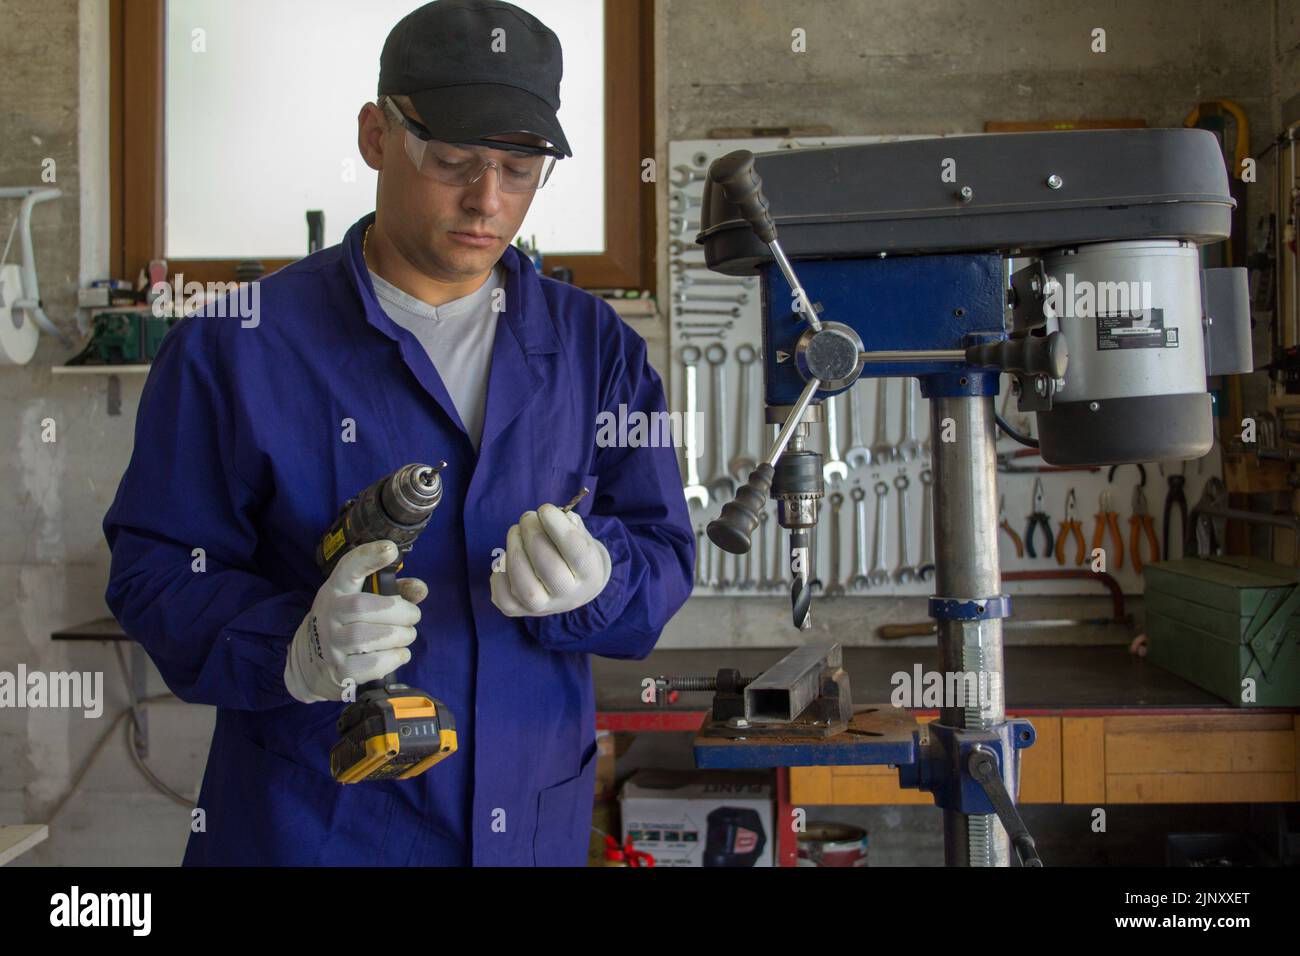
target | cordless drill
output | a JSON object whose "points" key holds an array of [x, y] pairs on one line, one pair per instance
{"points": [[390, 730]]}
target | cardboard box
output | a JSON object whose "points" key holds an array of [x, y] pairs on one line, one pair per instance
{"points": [[700, 818], [606, 765]]}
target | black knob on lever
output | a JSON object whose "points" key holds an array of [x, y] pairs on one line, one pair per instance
{"points": [[732, 529], [743, 188], [1035, 354]]}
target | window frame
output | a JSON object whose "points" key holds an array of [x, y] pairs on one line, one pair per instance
{"points": [[138, 167]]}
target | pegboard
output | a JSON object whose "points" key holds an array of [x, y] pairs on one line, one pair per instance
{"points": [[709, 309]]}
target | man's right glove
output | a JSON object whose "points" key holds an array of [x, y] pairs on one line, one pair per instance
{"points": [[350, 635]]}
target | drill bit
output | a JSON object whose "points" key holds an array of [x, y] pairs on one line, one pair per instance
{"points": [[573, 502]]}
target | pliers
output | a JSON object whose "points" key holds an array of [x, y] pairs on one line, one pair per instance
{"points": [[1070, 526], [1176, 496], [1108, 519], [1005, 525], [1141, 521], [1038, 518]]}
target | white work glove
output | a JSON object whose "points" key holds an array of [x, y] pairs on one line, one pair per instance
{"points": [[552, 565], [350, 635]]}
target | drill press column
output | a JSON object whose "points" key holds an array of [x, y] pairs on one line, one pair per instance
{"points": [[966, 568]]}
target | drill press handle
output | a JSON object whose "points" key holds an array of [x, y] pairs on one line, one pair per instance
{"points": [[740, 183], [732, 529]]}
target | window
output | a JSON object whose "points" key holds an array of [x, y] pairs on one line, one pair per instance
{"points": [[233, 118]]}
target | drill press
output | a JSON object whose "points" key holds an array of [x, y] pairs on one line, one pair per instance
{"points": [[1102, 324]]}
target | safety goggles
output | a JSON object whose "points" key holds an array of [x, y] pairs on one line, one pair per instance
{"points": [[524, 169]]}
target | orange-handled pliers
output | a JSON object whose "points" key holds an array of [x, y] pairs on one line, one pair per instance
{"points": [[1068, 527], [1140, 521], [1108, 519], [1005, 525]]}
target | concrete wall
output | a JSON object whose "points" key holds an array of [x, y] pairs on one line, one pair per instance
{"points": [[1286, 64], [873, 66], [53, 104]]}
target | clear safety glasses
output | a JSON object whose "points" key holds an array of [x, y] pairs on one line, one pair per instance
{"points": [[522, 168]]}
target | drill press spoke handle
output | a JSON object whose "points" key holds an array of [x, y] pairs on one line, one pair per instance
{"points": [[740, 183]]}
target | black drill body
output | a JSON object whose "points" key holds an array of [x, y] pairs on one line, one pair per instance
{"points": [[390, 730]]}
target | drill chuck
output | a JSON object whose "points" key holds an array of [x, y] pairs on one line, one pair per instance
{"points": [[797, 487], [395, 508], [411, 493]]}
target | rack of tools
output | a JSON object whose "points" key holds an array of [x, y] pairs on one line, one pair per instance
{"points": [[876, 437]]}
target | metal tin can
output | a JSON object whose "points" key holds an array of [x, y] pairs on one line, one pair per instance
{"points": [[833, 844]]}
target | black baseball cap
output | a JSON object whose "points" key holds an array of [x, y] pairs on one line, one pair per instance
{"points": [[476, 68]]}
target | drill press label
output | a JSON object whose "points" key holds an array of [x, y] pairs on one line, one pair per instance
{"points": [[1135, 330]]}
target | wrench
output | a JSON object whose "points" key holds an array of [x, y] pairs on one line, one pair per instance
{"points": [[814, 552], [683, 265], [908, 447], [860, 581], [728, 323], [683, 225], [925, 566], [858, 453], [683, 176], [835, 587], [834, 470], [681, 298], [777, 580], [720, 485], [679, 247], [720, 334], [879, 576], [744, 281], [747, 582], [881, 450], [744, 461], [718, 560], [706, 563], [733, 312], [764, 583], [699, 557], [680, 202], [904, 573], [695, 492]]}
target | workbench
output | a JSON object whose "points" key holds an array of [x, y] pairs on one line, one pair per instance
{"points": [[1112, 729]]}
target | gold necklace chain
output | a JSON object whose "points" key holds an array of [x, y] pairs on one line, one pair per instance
{"points": [[365, 237]]}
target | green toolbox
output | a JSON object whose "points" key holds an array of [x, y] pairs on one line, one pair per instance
{"points": [[1228, 624]]}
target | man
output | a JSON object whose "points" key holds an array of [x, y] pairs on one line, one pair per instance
{"points": [[369, 355]]}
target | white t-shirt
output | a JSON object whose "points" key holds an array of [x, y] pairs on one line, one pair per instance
{"points": [[458, 335]]}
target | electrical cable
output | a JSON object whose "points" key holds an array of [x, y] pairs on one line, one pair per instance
{"points": [[129, 711], [130, 737], [1025, 440]]}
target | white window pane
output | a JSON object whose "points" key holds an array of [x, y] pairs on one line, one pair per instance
{"points": [[261, 125]]}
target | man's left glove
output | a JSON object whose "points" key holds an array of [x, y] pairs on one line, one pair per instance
{"points": [[552, 565]]}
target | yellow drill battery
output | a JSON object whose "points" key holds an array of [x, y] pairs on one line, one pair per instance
{"points": [[392, 733]]}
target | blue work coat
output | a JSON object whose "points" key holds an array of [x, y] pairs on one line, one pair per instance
{"points": [[241, 450]]}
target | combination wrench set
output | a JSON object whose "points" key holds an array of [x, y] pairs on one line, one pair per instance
{"points": [[874, 438]]}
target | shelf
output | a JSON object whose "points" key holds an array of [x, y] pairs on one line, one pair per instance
{"points": [[101, 369]]}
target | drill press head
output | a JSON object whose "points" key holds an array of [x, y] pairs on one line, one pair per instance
{"points": [[1102, 226]]}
